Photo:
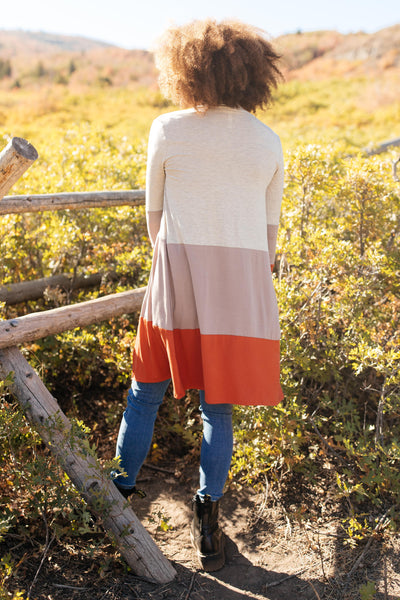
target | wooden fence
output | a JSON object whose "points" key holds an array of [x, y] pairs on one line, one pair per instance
{"points": [[41, 409], [135, 544], [32, 290]]}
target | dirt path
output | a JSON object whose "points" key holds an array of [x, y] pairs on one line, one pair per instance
{"points": [[267, 556], [252, 567], [271, 553], [288, 546]]}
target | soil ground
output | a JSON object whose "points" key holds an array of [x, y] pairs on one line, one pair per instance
{"points": [[278, 547], [269, 556]]}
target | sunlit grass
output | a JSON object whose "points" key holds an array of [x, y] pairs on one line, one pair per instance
{"points": [[355, 112]]}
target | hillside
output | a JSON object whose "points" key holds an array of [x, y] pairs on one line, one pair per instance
{"points": [[321, 54], [34, 58], [21, 43]]}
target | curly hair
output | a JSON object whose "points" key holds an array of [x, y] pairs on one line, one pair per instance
{"points": [[206, 64]]}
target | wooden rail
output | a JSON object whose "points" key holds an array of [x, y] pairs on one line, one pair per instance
{"points": [[70, 200], [383, 147], [50, 322], [32, 290]]}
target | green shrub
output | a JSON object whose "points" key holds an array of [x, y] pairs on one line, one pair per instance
{"points": [[338, 292], [339, 308]]}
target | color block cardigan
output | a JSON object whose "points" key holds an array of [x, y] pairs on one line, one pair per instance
{"points": [[209, 318]]}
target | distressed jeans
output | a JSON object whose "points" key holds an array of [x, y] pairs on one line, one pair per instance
{"points": [[136, 432]]}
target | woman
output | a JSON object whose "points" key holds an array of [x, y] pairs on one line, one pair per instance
{"points": [[209, 319]]}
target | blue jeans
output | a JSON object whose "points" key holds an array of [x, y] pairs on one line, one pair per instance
{"points": [[136, 432]]}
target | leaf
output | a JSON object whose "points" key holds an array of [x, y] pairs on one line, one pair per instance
{"points": [[368, 591]]}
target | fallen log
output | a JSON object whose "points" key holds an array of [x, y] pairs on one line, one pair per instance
{"points": [[72, 452], [33, 290], [70, 200], [37, 325], [15, 159]]}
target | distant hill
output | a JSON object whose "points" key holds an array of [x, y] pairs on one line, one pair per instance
{"points": [[18, 42], [322, 54], [35, 58]]}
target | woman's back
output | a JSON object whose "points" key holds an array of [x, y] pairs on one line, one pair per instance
{"points": [[213, 170]]}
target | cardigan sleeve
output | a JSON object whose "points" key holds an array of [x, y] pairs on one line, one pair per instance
{"points": [[155, 179], [273, 201]]}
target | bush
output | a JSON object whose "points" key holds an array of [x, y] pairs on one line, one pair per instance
{"points": [[339, 305], [338, 291]]}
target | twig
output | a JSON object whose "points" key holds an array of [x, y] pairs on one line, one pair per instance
{"points": [[379, 416], [321, 557], [385, 573], [69, 587], [323, 440], [154, 468], [133, 590], [18, 546], [261, 509], [190, 586], [238, 592], [314, 590], [368, 544], [107, 592], [48, 543], [162, 589], [307, 301], [288, 530], [275, 583], [327, 533], [46, 549]]}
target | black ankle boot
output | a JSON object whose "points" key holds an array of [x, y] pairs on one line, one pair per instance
{"points": [[207, 538], [126, 492]]}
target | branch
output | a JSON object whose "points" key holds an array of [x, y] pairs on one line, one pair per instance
{"points": [[72, 451], [190, 586], [47, 545], [376, 530], [328, 446]]}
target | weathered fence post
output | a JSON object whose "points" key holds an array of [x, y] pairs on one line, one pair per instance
{"points": [[15, 159], [134, 542]]}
